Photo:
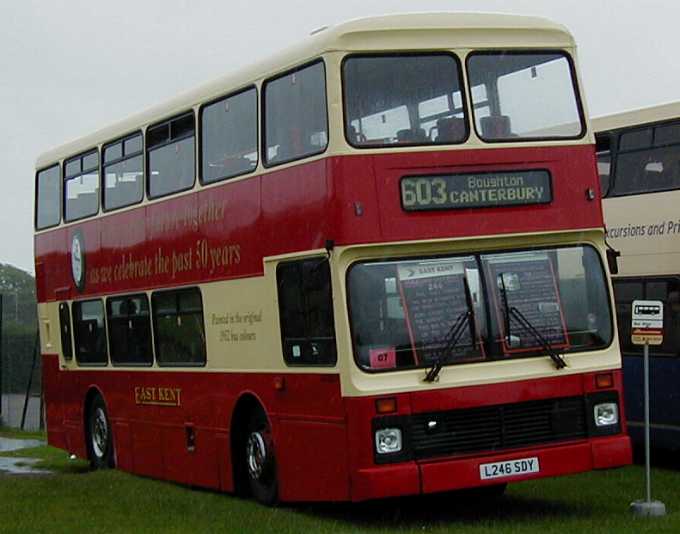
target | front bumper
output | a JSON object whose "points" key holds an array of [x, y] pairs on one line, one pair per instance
{"points": [[446, 474]]}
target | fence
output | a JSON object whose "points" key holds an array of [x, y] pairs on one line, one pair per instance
{"points": [[17, 371]]}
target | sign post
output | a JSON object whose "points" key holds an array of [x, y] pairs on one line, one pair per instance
{"points": [[647, 329]]}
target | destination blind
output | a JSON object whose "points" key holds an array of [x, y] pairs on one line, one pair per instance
{"points": [[476, 190]]}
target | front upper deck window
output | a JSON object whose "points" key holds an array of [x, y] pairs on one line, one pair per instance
{"points": [[406, 99], [520, 96], [462, 309], [47, 201]]}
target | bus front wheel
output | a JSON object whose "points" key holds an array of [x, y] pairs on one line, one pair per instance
{"points": [[99, 436], [260, 460]]}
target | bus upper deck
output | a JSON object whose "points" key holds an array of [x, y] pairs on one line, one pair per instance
{"points": [[376, 160]]}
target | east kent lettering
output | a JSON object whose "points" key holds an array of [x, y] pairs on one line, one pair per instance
{"points": [[158, 396]]}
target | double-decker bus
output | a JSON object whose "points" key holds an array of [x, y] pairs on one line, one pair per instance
{"points": [[371, 266], [639, 162]]}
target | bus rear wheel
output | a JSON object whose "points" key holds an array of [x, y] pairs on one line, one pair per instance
{"points": [[260, 460], [99, 436]]}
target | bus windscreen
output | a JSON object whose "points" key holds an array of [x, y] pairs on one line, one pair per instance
{"points": [[404, 312]]}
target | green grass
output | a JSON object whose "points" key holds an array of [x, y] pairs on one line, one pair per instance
{"points": [[75, 499], [52, 459], [6, 432]]}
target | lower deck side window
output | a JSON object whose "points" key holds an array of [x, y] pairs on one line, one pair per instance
{"points": [[65, 330], [129, 330], [178, 327], [90, 332], [306, 312]]}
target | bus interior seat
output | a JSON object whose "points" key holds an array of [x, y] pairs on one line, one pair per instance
{"points": [[408, 135], [497, 127], [83, 204], [352, 135], [123, 193], [450, 129]]}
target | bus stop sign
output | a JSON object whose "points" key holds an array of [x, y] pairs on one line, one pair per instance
{"points": [[647, 327]]}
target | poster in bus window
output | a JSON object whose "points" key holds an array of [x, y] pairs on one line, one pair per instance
{"points": [[527, 284], [435, 297]]}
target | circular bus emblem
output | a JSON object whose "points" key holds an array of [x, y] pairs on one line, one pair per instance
{"points": [[78, 260]]}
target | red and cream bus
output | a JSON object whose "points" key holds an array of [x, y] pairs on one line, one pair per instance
{"points": [[372, 266]]}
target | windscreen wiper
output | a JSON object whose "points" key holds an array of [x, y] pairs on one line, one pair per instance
{"points": [[512, 311], [451, 339], [453, 336], [559, 361]]}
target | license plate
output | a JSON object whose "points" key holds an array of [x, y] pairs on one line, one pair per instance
{"points": [[509, 468]]}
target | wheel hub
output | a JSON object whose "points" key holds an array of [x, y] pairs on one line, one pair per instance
{"points": [[256, 454], [100, 433]]}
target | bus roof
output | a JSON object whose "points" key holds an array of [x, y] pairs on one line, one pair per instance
{"points": [[637, 117], [409, 31]]}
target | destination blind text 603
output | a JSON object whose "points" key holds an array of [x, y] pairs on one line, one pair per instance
{"points": [[475, 190]]}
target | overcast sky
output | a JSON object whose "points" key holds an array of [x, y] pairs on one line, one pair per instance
{"points": [[70, 67]]}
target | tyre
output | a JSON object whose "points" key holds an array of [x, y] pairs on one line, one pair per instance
{"points": [[99, 435], [260, 460]]}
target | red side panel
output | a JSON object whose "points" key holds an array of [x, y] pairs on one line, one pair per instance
{"points": [[320, 470], [151, 440]]}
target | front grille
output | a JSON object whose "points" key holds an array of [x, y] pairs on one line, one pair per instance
{"points": [[494, 428]]}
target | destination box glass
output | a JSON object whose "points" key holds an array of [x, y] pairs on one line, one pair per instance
{"points": [[476, 190]]}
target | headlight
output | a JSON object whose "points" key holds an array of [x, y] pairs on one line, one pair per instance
{"points": [[606, 414], [388, 440]]}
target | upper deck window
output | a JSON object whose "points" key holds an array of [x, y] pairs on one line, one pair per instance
{"points": [[229, 137], [48, 205], [412, 99], [123, 172], [604, 161], [520, 96], [81, 186], [170, 156], [295, 115], [647, 160]]}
